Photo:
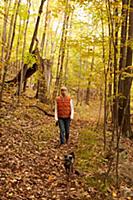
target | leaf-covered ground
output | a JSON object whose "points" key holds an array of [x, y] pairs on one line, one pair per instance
{"points": [[31, 161]]}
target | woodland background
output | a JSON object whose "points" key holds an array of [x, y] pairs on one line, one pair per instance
{"points": [[86, 45]]}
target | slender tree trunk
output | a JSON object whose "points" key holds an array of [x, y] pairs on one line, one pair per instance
{"points": [[113, 30], [34, 37], [110, 68], [114, 24], [68, 50], [66, 65], [47, 39], [20, 83], [61, 51], [115, 92], [105, 85], [115, 105], [126, 129], [90, 76], [18, 42], [110, 61], [3, 49], [8, 54], [53, 45], [54, 42], [11, 24], [45, 27], [122, 62], [79, 80], [99, 113]]}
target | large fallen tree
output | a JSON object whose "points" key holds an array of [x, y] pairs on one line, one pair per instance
{"points": [[27, 72]]}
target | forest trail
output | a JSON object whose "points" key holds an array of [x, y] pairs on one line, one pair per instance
{"points": [[86, 46], [31, 161]]}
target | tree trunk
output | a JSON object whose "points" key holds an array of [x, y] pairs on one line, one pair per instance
{"points": [[105, 85], [3, 49], [110, 61], [45, 28], [126, 128], [24, 66], [3, 36], [42, 84], [29, 72], [122, 62], [18, 41], [78, 100], [68, 51], [34, 37], [61, 51], [26, 73], [89, 78], [115, 92], [8, 54]]}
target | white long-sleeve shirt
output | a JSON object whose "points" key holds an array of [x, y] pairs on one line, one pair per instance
{"points": [[72, 110]]}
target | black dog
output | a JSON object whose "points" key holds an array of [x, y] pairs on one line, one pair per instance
{"points": [[69, 162]]}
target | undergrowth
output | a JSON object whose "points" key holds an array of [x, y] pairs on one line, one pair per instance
{"points": [[91, 162]]}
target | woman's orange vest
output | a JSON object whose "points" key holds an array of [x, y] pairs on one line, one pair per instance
{"points": [[63, 107]]}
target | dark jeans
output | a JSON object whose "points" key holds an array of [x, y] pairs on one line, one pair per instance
{"points": [[64, 125]]}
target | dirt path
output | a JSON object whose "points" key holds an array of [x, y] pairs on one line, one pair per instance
{"points": [[31, 162]]}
